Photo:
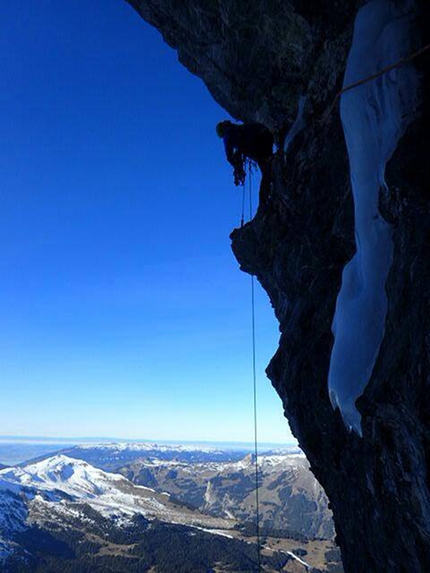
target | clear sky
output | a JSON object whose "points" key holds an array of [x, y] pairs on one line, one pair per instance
{"points": [[123, 312]]}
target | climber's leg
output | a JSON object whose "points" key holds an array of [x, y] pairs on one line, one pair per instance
{"points": [[239, 169]]}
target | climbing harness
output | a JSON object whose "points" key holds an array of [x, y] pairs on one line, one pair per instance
{"points": [[374, 76], [254, 377]]}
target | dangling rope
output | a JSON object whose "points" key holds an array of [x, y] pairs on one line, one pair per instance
{"points": [[242, 220], [254, 376]]}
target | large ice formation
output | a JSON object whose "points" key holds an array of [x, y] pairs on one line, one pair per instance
{"points": [[374, 117]]}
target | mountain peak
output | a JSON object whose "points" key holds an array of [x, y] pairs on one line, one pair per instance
{"points": [[61, 473]]}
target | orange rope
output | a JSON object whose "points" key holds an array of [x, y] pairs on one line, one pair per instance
{"points": [[374, 76]]}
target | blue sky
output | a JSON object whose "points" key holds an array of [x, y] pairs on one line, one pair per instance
{"points": [[123, 310]]}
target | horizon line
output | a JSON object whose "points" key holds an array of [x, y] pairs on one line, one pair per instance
{"points": [[110, 439]]}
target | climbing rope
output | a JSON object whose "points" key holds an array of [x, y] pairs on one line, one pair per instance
{"points": [[254, 377], [372, 77], [242, 219]]}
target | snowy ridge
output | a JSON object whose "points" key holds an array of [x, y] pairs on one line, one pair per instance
{"points": [[268, 461], [374, 117], [73, 477], [281, 460], [59, 482]]}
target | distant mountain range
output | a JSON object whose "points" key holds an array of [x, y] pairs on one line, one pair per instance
{"points": [[290, 498], [223, 482], [111, 457], [62, 513]]}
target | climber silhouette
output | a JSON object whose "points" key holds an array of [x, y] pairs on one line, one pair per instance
{"points": [[253, 141]]}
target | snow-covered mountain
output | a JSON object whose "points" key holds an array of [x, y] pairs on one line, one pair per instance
{"points": [[218, 482], [63, 482], [112, 456], [63, 508], [222, 482], [70, 494], [61, 473]]}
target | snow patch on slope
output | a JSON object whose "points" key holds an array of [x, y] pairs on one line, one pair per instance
{"points": [[13, 516], [291, 554], [58, 483], [216, 532], [374, 117]]}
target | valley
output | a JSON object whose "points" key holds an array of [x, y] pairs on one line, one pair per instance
{"points": [[156, 508]]}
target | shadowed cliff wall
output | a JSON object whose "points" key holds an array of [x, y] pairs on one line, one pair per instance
{"points": [[257, 59]]}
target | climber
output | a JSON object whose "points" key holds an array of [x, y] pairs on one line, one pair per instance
{"points": [[248, 141]]}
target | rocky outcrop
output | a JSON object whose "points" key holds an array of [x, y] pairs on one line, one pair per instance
{"points": [[256, 59]]}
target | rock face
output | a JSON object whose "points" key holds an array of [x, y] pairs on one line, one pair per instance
{"points": [[256, 59]]}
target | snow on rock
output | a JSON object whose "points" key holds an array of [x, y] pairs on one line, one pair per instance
{"points": [[374, 117], [13, 516], [13, 512], [6, 549]]}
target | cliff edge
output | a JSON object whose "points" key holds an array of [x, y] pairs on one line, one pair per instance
{"points": [[258, 59]]}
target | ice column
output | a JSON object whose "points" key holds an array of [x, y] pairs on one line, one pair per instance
{"points": [[374, 117]]}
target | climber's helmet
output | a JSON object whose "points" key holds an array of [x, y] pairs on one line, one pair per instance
{"points": [[222, 127]]}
